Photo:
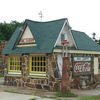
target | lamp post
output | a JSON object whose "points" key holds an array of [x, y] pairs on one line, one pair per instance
{"points": [[65, 88]]}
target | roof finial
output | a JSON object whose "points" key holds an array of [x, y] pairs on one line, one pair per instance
{"points": [[40, 15]]}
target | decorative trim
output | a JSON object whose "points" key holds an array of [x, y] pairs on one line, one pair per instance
{"points": [[26, 45], [78, 51], [38, 74], [14, 73], [60, 32]]}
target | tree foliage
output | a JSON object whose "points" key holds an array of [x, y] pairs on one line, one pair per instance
{"points": [[7, 29], [96, 40]]}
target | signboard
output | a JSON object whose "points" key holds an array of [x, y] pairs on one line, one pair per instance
{"points": [[82, 65], [26, 40], [82, 58]]}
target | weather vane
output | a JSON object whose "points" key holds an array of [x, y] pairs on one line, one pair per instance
{"points": [[40, 15]]}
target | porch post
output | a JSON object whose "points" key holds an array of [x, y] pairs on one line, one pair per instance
{"points": [[25, 65]]}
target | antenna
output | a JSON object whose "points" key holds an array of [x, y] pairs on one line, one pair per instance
{"points": [[40, 15]]}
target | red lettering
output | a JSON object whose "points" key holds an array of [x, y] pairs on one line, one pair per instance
{"points": [[82, 67], [27, 40]]}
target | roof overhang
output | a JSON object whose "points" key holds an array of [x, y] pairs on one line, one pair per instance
{"points": [[78, 51]]}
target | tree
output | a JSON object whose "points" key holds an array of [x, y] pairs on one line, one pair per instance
{"points": [[96, 40], [94, 34], [7, 29], [1, 37]]}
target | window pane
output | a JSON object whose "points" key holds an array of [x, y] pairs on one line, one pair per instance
{"points": [[38, 63], [14, 63]]}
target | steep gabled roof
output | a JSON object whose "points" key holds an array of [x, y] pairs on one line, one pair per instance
{"points": [[45, 34], [10, 45], [84, 42]]}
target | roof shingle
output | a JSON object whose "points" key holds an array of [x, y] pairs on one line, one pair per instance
{"points": [[84, 42], [45, 34]]}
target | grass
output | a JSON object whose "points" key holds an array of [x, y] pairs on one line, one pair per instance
{"points": [[59, 94], [69, 94], [33, 99], [1, 76], [90, 98]]}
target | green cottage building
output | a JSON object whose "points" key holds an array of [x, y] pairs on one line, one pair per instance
{"points": [[34, 55]]}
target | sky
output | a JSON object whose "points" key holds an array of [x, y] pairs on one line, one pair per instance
{"points": [[83, 15]]}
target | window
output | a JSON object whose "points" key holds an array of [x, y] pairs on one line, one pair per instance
{"points": [[38, 65], [63, 36], [14, 64]]}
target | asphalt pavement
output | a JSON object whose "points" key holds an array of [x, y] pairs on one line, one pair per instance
{"points": [[15, 96], [22, 96]]}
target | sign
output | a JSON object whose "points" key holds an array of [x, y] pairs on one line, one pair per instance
{"points": [[81, 67], [64, 42], [26, 40], [82, 58]]}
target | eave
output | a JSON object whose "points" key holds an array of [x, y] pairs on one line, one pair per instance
{"points": [[77, 51]]}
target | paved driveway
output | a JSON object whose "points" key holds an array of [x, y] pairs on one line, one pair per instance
{"points": [[1, 81], [15, 96], [87, 92]]}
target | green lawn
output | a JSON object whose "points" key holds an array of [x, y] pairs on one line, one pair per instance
{"points": [[90, 98]]}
